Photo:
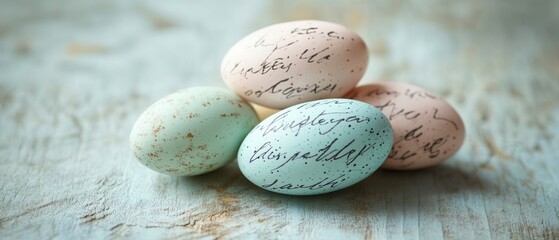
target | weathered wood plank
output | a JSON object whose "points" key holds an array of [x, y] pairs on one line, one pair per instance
{"points": [[75, 76]]}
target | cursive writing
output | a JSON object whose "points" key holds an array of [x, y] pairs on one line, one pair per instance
{"points": [[323, 102], [329, 153], [267, 64], [403, 156], [323, 183], [407, 93], [315, 56], [304, 31], [325, 120], [283, 63], [263, 68], [289, 91], [432, 148], [392, 111], [436, 110]]}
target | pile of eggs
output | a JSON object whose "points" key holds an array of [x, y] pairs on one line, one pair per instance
{"points": [[328, 135]]}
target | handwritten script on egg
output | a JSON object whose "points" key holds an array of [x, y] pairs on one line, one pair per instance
{"points": [[277, 61], [427, 134], [296, 60], [331, 124]]}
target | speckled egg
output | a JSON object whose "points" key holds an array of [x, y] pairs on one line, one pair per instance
{"points": [[289, 63], [427, 130], [192, 131], [316, 147]]}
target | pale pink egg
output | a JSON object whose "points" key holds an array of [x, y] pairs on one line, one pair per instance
{"points": [[289, 63], [427, 130]]}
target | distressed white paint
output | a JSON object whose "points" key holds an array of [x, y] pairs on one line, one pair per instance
{"points": [[74, 75]]}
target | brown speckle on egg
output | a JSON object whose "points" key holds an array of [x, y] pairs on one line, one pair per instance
{"points": [[234, 115], [168, 136], [156, 130]]}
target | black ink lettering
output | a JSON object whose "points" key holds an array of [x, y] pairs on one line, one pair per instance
{"points": [[414, 133], [432, 148], [264, 68], [325, 102], [290, 91], [379, 92], [266, 65], [329, 153], [304, 31], [443, 119], [311, 58], [405, 156], [294, 157], [269, 185], [323, 183], [393, 111], [271, 89], [420, 94], [336, 154], [261, 42], [333, 34], [264, 152], [323, 119]]}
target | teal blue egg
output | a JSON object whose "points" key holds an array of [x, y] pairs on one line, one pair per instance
{"points": [[316, 147], [192, 131]]}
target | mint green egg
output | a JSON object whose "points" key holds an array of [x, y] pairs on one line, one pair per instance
{"points": [[192, 131], [316, 147]]}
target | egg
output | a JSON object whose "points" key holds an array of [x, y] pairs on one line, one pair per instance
{"points": [[316, 147], [192, 131], [263, 112], [289, 63], [427, 129]]}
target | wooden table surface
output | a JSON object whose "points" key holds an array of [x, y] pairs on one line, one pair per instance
{"points": [[75, 75]]}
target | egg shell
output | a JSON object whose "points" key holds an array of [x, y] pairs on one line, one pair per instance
{"points": [[289, 63], [316, 147], [192, 131], [263, 112], [427, 129]]}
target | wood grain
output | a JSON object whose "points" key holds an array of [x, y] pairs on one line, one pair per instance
{"points": [[75, 75]]}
